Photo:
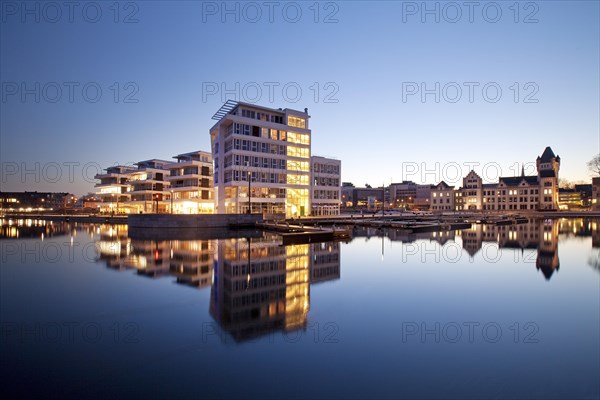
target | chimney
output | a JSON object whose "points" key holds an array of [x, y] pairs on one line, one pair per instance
{"points": [[306, 110]]}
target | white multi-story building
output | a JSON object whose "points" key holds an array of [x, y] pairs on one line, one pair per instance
{"points": [[113, 188], [149, 188], [326, 190], [261, 159], [191, 183]]}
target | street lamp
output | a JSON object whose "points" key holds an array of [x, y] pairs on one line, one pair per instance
{"points": [[171, 201], [249, 188], [383, 199]]}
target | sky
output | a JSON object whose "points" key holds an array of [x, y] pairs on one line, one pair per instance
{"points": [[419, 91]]}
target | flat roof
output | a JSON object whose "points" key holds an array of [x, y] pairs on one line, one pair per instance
{"points": [[231, 105]]}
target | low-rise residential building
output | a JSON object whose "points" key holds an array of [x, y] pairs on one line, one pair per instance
{"points": [[113, 188], [325, 185], [191, 183], [442, 197], [148, 184]]}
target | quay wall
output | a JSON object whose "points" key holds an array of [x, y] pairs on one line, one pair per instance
{"points": [[194, 221]]}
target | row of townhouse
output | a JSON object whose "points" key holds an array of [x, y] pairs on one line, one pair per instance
{"points": [[536, 192], [159, 186], [260, 162]]}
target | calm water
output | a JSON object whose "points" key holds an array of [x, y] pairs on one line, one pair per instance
{"points": [[489, 312]]}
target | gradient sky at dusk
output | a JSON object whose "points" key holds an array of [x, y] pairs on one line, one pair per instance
{"points": [[171, 53]]}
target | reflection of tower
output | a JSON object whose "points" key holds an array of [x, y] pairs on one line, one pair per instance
{"points": [[547, 259], [260, 286]]}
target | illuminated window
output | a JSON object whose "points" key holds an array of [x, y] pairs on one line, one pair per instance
{"points": [[296, 122], [300, 152], [300, 138], [298, 166]]}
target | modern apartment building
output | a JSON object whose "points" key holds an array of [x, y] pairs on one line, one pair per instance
{"points": [[191, 183], [325, 185], [113, 188], [261, 159], [148, 184]]}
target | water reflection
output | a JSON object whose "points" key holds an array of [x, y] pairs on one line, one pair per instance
{"points": [[31, 228], [258, 286]]}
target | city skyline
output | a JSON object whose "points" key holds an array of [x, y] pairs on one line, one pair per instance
{"points": [[374, 103]]}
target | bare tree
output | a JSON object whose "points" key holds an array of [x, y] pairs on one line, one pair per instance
{"points": [[565, 183], [594, 165]]}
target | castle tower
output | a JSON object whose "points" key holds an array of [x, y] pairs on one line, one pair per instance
{"points": [[548, 166]]}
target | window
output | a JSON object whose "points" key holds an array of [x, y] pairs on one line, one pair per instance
{"points": [[297, 122]]}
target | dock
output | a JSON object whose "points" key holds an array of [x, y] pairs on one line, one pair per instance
{"points": [[301, 234]]}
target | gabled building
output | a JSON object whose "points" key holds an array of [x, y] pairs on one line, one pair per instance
{"points": [[534, 192], [442, 197], [471, 193]]}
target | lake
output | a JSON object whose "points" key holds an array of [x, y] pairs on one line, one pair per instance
{"points": [[98, 311]]}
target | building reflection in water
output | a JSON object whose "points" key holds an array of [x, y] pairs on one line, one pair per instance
{"points": [[259, 286], [32, 228], [536, 234]]}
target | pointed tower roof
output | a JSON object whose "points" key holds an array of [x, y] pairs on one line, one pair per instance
{"points": [[547, 155]]}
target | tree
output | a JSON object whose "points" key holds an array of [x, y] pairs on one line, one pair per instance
{"points": [[565, 184], [594, 165]]}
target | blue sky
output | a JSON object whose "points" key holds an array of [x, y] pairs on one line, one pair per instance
{"points": [[364, 57]]}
